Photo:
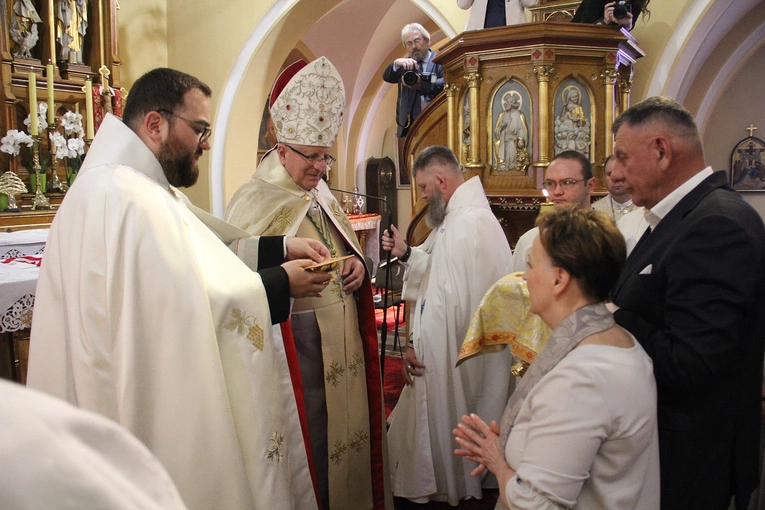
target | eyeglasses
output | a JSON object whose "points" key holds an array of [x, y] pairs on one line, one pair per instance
{"points": [[313, 158], [413, 42], [550, 185], [204, 132]]}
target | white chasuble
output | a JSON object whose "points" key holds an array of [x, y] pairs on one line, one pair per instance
{"points": [[144, 316], [447, 277]]}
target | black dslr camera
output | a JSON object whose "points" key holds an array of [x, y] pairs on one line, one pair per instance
{"points": [[622, 9], [410, 77]]}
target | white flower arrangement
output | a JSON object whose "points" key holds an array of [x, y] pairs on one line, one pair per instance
{"points": [[11, 142], [70, 145], [58, 144], [72, 124], [42, 115]]}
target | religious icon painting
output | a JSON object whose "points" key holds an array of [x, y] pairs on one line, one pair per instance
{"points": [[747, 168], [572, 114], [510, 129]]}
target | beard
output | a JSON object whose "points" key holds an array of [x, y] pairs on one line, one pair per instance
{"points": [[436, 210], [419, 54], [179, 163]]}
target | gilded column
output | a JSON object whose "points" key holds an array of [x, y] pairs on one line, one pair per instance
{"points": [[625, 86], [452, 117], [609, 79], [543, 74], [474, 80]]}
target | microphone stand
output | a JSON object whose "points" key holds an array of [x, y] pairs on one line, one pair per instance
{"points": [[384, 332]]}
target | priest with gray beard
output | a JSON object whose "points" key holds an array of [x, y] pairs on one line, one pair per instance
{"points": [[446, 277]]}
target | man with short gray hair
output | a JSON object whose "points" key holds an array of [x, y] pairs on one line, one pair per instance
{"points": [[419, 78], [692, 293]]}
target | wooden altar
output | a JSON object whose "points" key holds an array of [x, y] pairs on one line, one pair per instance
{"points": [[516, 96], [31, 44]]}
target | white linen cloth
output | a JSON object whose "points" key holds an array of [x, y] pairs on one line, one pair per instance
{"points": [[17, 279], [23, 242]]}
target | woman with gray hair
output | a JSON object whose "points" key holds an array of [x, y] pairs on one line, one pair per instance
{"points": [[580, 429]]}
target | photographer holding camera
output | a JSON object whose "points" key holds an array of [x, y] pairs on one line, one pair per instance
{"points": [[622, 13], [419, 78]]}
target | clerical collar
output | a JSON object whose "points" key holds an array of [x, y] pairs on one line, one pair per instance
{"points": [[624, 205]]}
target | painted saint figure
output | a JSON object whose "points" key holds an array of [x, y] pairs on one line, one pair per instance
{"points": [[510, 132]]}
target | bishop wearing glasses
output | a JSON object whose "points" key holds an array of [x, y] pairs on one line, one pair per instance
{"points": [[335, 367], [568, 180]]}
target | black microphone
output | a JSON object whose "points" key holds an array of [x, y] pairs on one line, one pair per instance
{"points": [[388, 277]]}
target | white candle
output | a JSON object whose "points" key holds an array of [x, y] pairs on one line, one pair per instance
{"points": [[33, 128], [89, 129], [51, 100]]}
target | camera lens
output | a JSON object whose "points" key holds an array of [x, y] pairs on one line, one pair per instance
{"points": [[410, 77], [621, 9]]}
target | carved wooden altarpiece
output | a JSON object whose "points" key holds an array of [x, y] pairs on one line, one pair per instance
{"points": [[97, 60]]}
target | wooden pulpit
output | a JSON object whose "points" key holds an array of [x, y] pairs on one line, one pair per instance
{"points": [[517, 96]]}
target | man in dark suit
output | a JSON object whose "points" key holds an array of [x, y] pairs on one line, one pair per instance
{"points": [[414, 95], [693, 294]]}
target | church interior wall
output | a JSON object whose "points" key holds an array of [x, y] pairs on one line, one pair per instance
{"points": [[652, 36], [142, 38], [739, 107]]}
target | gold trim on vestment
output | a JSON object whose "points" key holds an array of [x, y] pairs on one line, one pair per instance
{"points": [[247, 326]]}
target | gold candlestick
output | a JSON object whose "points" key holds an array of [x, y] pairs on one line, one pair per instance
{"points": [[546, 206], [54, 183], [41, 201]]}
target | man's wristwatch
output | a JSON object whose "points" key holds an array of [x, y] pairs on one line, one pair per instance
{"points": [[405, 256]]}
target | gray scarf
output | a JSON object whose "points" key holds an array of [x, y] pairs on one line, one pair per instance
{"points": [[581, 324]]}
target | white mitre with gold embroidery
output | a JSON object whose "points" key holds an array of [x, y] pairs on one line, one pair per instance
{"points": [[307, 103]]}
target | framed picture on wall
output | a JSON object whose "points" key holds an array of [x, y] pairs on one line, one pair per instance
{"points": [[267, 133], [747, 171], [404, 180]]}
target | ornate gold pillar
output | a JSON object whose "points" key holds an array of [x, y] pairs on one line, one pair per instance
{"points": [[452, 117], [543, 74], [473, 80], [609, 79], [625, 86]]}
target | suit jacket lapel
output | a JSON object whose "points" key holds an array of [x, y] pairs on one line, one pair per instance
{"points": [[641, 254]]}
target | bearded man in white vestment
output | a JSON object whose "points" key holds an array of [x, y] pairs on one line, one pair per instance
{"points": [[447, 276], [143, 315]]}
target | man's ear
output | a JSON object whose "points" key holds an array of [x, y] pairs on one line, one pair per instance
{"points": [[153, 124], [591, 185], [663, 151], [281, 150]]}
